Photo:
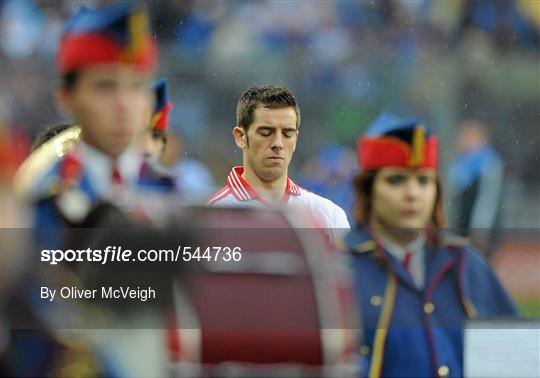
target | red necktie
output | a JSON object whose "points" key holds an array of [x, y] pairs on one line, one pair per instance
{"points": [[116, 177], [407, 262]]}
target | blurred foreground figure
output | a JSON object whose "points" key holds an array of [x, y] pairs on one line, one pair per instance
{"points": [[477, 180], [267, 129], [106, 61], [62, 139], [416, 283]]}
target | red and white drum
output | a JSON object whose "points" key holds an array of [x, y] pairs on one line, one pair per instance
{"points": [[281, 304]]}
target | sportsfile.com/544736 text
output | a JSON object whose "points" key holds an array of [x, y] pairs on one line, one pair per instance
{"points": [[119, 254]]}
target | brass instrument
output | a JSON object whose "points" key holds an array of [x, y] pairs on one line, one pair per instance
{"points": [[41, 161]]}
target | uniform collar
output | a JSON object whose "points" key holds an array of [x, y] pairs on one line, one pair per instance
{"points": [[99, 166], [242, 191], [416, 246], [364, 240], [438, 258]]}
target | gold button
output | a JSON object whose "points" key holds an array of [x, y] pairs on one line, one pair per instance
{"points": [[376, 300], [429, 308], [364, 350], [443, 371]]}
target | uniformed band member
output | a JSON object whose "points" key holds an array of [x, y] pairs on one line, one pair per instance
{"points": [[151, 143], [106, 60], [155, 136], [416, 284], [267, 129], [62, 138]]}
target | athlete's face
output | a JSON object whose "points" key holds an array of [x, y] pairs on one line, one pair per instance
{"points": [[269, 143], [403, 198], [111, 103]]}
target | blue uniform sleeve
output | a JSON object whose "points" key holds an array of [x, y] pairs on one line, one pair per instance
{"points": [[486, 292]]}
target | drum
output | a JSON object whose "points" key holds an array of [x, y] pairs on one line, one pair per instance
{"points": [[281, 304]]}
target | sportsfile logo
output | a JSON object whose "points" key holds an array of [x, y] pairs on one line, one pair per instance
{"points": [[119, 254]]}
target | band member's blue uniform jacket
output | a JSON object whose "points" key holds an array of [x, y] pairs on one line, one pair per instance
{"points": [[63, 196], [68, 192], [412, 332]]}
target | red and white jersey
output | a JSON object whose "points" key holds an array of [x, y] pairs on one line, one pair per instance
{"points": [[238, 192]]}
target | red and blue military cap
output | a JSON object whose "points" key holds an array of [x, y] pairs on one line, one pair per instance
{"points": [[114, 34], [391, 141], [160, 116]]}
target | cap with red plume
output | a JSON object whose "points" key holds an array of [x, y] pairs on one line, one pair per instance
{"points": [[390, 141], [160, 116], [115, 34]]}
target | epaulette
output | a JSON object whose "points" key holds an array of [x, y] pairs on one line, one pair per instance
{"points": [[455, 241], [364, 247], [72, 202]]}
